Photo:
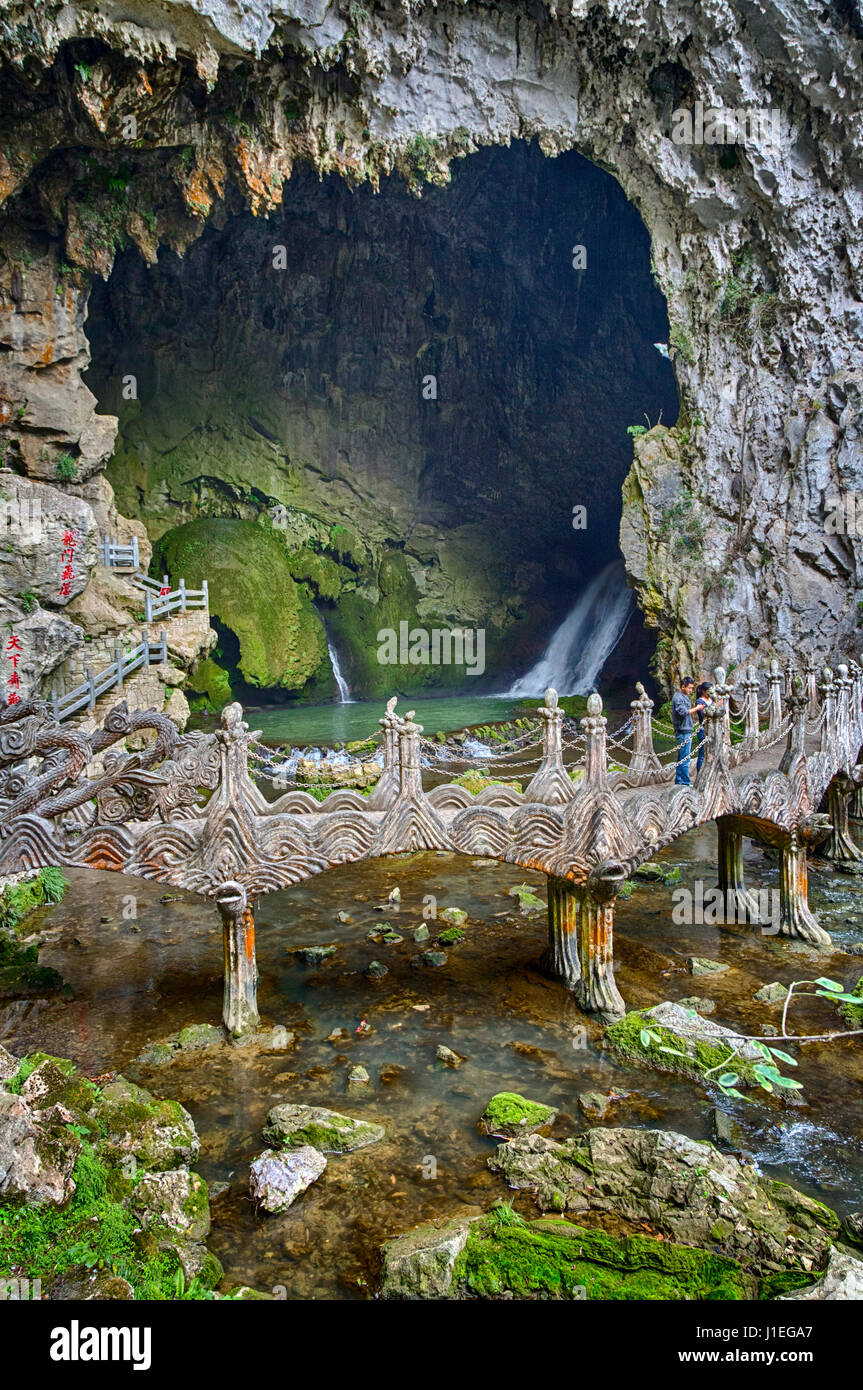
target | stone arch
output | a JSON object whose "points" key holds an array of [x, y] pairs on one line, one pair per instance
{"points": [[766, 360]]}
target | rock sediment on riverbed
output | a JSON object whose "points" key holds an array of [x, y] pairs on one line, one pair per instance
{"points": [[687, 1190]]}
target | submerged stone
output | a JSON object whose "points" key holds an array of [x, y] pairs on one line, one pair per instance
{"points": [[447, 1056], [293, 1126], [771, 994], [454, 916], [435, 959], [702, 965], [314, 955], [508, 1114], [199, 1035]]}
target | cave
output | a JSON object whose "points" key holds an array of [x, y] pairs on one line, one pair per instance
{"points": [[372, 408]]}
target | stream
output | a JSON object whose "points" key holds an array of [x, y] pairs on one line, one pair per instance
{"points": [[138, 980]]}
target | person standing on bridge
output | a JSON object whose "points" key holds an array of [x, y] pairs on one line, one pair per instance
{"points": [[703, 699], [681, 719]]}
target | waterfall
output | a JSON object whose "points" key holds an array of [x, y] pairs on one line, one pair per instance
{"points": [[344, 692], [578, 650]]}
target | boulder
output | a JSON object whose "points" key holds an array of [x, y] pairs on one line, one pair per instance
{"points": [[199, 1035], [774, 993], [296, 1126], [420, 1264], [696, 1042], [159, 1134], [508, 1114], [842, 1280], [38, 1152], [688, 1191], [177, 1200], [277, 1179], [8, 1065]]}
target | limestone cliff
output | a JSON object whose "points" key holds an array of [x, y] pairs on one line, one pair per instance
{"points": [[141, 122]]}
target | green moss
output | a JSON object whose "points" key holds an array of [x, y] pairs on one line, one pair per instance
{"points": [[476, 782], [451, 937], [508, 1113], [212, 684], [555, 1259], [320, 571], [19, 899], [852, 1014], [624, 1038], [253, 593], [94, 1231]]}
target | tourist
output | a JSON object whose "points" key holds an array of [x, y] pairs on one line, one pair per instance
{"points": [[702, 700], [681, 718]]}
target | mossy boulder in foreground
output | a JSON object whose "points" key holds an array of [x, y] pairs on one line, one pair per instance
{"points": [[295, 1126], [95, 1198], [508, 1114], [501, 1254], [688, 1192]]}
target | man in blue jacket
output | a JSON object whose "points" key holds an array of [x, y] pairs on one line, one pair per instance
{"points": [[681, 719]]}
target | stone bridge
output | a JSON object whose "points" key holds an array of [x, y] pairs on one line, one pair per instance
{"points": [[188, 812]]}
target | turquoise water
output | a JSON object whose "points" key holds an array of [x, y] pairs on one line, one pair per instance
{"points": [[328, 724]]}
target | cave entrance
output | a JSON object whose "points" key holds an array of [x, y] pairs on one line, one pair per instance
{"points": [[372, 409]]}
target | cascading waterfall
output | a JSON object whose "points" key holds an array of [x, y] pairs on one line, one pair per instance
{"points": [[578, 650], [344, 692]]}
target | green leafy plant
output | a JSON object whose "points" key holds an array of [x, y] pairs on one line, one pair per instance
{"points": [[28, 600], [67, 471]]}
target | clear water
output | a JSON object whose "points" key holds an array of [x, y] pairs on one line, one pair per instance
{"points": [[336, 723], [137, 981]]}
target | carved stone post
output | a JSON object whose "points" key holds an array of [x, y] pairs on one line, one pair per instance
{"points": [[795, 749], [843, 718], [644, 766], [240, 1008], [839, 845], [856, 708], [596, 990], [595, 756], [812, 687], [827, 688], [551, 783], [740, 904], [387, 788], [750, 708], [560, 958], [795, 915], [789, 677], [774, 699]]}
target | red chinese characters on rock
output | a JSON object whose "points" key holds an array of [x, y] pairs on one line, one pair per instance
{"points": [[13, 684], [67, 555]]}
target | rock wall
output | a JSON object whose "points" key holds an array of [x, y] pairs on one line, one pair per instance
{"points": [[142, 122]]}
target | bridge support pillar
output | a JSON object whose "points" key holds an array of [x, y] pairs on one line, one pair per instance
{"points": [[596, 991], [740, 904], [560, 958], [240, 1006], [839, 845], [580, 949], [795, 915]]}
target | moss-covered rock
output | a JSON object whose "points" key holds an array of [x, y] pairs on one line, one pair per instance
{"points": [[158, 1134], [688, 1191], [253, 593], [502, 1255], [696, 1044], [508, 1114], [294, 1126]]}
